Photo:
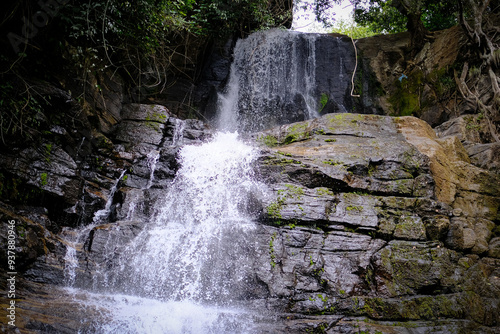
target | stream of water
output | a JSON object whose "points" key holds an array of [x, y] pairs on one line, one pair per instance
{"points": [[192, 266]]}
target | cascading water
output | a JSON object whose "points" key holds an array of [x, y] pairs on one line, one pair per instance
{"points": [[152, 160], [279, 77], [191, 264], [190, 248], [191, 267], [75, 238], [178, 132]]}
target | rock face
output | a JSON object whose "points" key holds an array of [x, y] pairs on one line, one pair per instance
{"points": [[374, 223], [379, 221], [388, 83]]}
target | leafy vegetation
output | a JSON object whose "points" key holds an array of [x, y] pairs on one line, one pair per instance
{"points": [[353, 29], [395, 15], [19, 111]]}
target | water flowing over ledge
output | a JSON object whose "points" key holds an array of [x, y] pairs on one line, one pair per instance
{"points": [[194, 256], [280, 76]]}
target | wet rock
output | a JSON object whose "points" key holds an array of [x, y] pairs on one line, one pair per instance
{"points": [[485, 156], [482, 231], [458, 127], [111, 238], [437, 227], [38, 253], [349, 220], [407, 268], [367, 218], [50, 168], [410, 228], [494, 248]]}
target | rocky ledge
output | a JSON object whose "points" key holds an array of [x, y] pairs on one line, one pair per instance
{"points": [[378, 226], [373, 224]]}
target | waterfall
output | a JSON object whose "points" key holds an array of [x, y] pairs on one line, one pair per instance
{"points": [[152, 160], [191, 267], [178, 132], [101, 215], [76, 238], [188, 252], [279, 77]]}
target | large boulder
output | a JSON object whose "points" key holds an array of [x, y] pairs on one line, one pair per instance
{"points": [[377, 217]]}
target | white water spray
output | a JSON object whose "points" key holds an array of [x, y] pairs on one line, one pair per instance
{"points": [[152, 160], [191, 263], [102, 215], [271, 71], [178, 135]]}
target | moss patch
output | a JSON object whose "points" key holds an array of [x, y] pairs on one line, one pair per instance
{"points": [[296, 132]]}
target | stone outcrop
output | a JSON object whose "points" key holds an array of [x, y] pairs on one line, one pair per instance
{"points": [[378, 220], [391, 84], [374, 223]]}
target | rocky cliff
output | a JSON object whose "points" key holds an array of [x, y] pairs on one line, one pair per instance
{"points": [[375, 224], [378, 225]]}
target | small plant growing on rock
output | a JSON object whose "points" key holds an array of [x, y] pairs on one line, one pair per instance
{"points": [[43, 179]]}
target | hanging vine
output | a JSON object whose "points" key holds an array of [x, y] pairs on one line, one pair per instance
{"points": [[479, 20]]}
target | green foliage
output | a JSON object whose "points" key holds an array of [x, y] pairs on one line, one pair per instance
{"points": [[354, 208], [296, 132], [353, 30], [269, 141], [439, 15], [144, 39], [323, 101], [383, 17], [224, 17], [274, 209], [406, 98], [48, 151], [290, 192], [294, 191], [323, 191], [144, 24], [379, 16], [43, 179], [271, 250]]}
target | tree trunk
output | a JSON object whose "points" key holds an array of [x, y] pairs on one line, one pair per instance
{"points": [[412, 10]]}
